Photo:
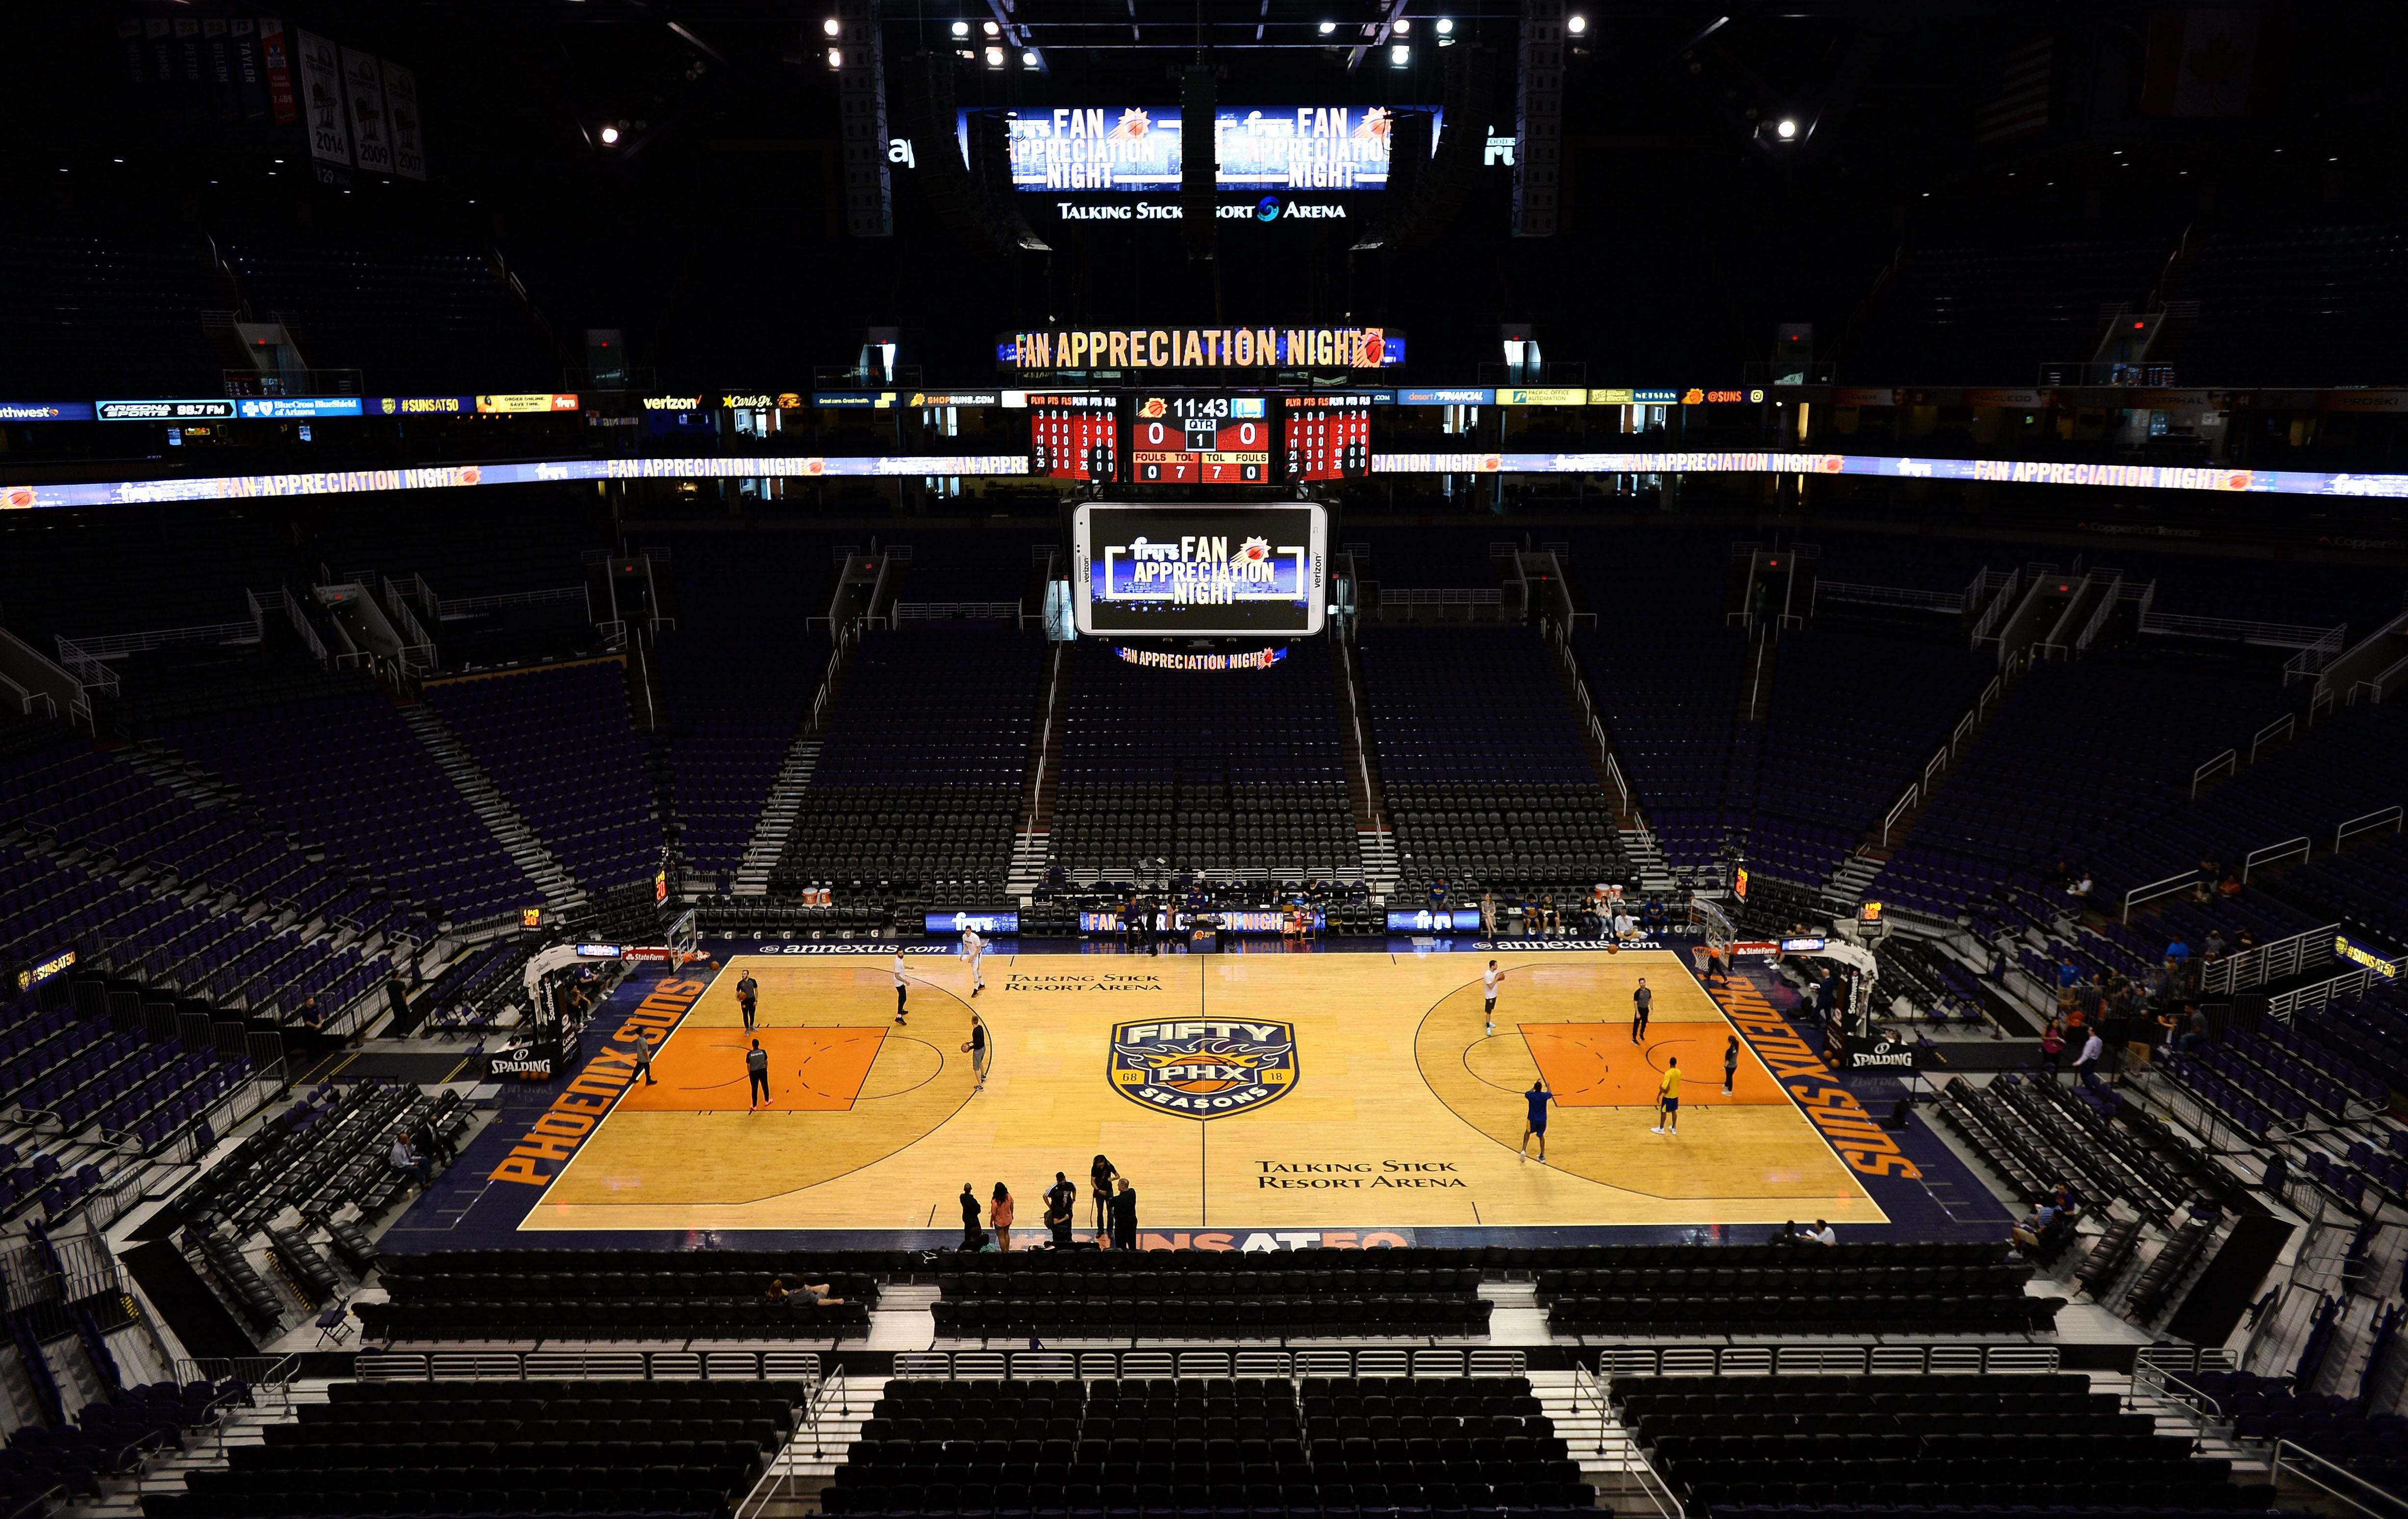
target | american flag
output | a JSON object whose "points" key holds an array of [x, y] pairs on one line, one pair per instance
{"points": [[2020, 108]]}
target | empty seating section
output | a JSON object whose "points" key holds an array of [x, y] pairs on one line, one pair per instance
{"points": [[1482, 761], [1915, 1441], [1986, 315], [1320, 1444], [2366, 885], [348, 776], [736, 694], [1780, 1289], [653, 1448], [410, 321], [2341, 1430], [562, 748], [920, 777], [1425, 560], [2073, 748], [108, 316], [1832, 768], [1229, 772], [2036, 1135], [2302, 307], [532, 1295], [327, 1150], [1316, 1292], [109, 1436]]}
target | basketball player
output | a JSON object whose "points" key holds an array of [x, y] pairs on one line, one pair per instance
{"points": [[902, 989], [975, 1047], [1538, 1097], [1668, 1099], [1730, 1065], [1490, 980], [1641, 1001], [974, 946]]}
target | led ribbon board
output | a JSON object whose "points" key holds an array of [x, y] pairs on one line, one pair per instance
{"points": [[1204, 570]]}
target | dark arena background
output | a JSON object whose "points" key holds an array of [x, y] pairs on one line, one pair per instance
{"points": [[864, 757]]}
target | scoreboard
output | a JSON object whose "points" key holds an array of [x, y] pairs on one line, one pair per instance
{"points": [[1202, 569], [1327, 437], [1073, 436], [1202, 439]]}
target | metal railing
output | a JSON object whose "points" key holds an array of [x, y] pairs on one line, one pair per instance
{"points": [[103, 645], [271, 1375], [1590, 1396], [2334, 1481], [1445, 595], [2225, 763], [1335, 1361], [590, 1366], [2287, 1005], [2002, 602], [2298, 636], [2105, 610], [1693, 1360], [2285, 726], [1899, 809], [2269, 962], [2310, 662], [2370, 821], [2275, 853], [2156, 889], [905, 612], [2378, 685], [777, 1482], [86, 666], [454, 606], [1951, 602]]}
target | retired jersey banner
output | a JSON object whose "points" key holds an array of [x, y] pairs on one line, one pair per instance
{"points": [[371, 133], [401, 110], [322, 97], [276, 63], [250, 76]]}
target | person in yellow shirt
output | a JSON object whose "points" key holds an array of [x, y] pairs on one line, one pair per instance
{"points": [[1668, 1099]]}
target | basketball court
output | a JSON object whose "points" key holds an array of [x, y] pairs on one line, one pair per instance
{"points": [[1267, 1092]]}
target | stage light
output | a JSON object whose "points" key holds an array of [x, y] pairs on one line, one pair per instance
{"points": [[832, 27], [610, 136], [1404, 24], [1445, 27], [1398, 56], [1787, 129], [1327, 27], [994, 30], [994, 58], [1029, 60], [1576, 25], [836, 58], [961, 29]]}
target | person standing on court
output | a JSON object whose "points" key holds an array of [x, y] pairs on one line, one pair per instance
{"points": [[975, 1047], [970, 1230], [1668, 1098], [756, 1066], [902, 986], [998, 1216], [644, 1060], [1099, 1178], [1125, 1216], [1061, 1198], [748, 998], [1640, 1001], [974, 950], [1538, 1097], [1731, 1063], [1490, 980]]}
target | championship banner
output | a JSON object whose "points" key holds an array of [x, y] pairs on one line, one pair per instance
{"points": [[275, 59], [158, 44], [371, 133], [401, 107], [322, 97]]}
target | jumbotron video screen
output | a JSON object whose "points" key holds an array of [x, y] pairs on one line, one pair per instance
{"points": [[1203, 570]]}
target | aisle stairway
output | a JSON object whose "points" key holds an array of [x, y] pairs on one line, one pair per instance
{"points": [[560, 891], [1608, 1454], [778, 814], [121, 1496]]}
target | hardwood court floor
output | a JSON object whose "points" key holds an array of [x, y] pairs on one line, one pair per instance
{"points": [[1400, 1110]]}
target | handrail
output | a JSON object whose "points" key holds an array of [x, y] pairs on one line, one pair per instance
{"points": [[2373, 819], [1588, 1393], [2379, 683], [616, 1364], [1911, 1358], [1614, 770], [2301, 636], [470, 605], [2309, 662], [2275, 853], [2285, 726], [778, 1477], [2318, 1473], [2226, 761], [2001, 602], [2286, 1005], [2107, 603], [1889, 595], [1217, 1361], [2273, 961], [909, 610], [1904, 805], [2156, 889]]}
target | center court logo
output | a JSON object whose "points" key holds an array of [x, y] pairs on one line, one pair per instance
{"points": [[1202, 1069]]}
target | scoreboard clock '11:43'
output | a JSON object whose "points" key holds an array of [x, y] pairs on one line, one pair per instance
{"points": [[1200, 438]]}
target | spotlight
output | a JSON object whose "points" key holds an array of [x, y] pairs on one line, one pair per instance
{"points": [[1399, 55], [610, 136], [994, 58], [1787, 129], [992, 30], [1445, 27], [961, 29], [1029, 60], [836, 58], [1327, 27], [1404, 24], [832, 27], [1576, 25]]}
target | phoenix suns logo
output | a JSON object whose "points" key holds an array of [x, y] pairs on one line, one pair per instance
{"points": [[1203, 1070]]}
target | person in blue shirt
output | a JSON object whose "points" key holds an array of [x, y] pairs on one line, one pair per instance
{"points": [[1538, 1097], [1438, 895]]}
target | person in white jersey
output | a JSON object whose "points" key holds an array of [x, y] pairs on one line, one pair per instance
{"points": [[974, 946], [902, 988], [1490, 980]]}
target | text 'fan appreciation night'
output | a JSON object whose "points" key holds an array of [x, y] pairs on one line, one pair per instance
{"points": [[1202, 570]]}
